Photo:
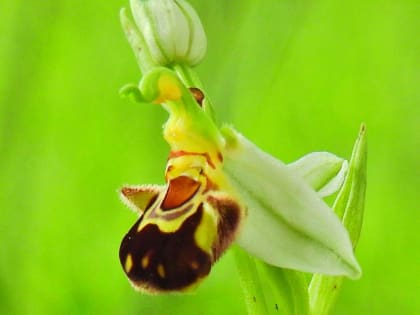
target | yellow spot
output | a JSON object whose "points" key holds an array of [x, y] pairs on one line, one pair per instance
{"points": [[145, 261], [168, 90], [194, 265], [161, 271], [128, 263], [206, 232]]}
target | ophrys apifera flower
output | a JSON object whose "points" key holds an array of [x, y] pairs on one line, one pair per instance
{"points": [[220, 187]]}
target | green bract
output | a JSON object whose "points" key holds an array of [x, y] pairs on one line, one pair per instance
{"points": [[349, 206]]}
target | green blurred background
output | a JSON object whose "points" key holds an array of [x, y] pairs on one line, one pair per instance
{"points": [[293, 76]]}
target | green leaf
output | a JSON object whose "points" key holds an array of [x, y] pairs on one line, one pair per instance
{"points": [[286, 290], [349, 206], [250, 282], [270, 290]]}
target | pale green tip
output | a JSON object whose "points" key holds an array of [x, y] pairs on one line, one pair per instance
{"points": [[349, 206]]}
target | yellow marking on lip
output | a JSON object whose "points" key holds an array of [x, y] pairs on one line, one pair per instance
{"points": [[161, 271], [194, 265], [206, 232], [145, 261], [168, 90], [128, 265]]}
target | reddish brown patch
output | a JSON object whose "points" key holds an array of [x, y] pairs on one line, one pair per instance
{"points": [[197, 94], [170, 215], [129, 191], [210, 185], [180, 190], [220, 156]]}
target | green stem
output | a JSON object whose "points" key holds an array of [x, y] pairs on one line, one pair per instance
{"points": [[187, 75], [191, 79], [288, 289], [250, 282]]}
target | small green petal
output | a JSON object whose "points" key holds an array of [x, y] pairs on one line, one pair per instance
{"points": [[349, 205], [323, 171], [288, 224]]}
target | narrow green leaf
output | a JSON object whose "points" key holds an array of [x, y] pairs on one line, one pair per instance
{"points": [[285, 291], [349, 206], [250, 282]]}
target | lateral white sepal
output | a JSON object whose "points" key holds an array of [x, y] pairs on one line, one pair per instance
{"points": [[288, 225]]}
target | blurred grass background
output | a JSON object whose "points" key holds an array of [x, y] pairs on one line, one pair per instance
{"points": [[294, 76]]}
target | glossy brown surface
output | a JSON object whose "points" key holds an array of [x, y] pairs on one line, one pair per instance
{"points": [[161, 261]]}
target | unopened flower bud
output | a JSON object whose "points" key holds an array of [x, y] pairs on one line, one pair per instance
{"points": [[171, 30]]}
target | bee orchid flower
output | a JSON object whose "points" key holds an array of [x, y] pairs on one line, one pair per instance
{"points": [[219, 187]]}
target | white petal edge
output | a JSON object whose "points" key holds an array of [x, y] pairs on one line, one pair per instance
{"points": [[323, 171], [198, 38], [147, 28]]}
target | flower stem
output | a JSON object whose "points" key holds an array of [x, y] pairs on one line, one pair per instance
{"points": [[191, 79], [250, 282], [288, 289]]}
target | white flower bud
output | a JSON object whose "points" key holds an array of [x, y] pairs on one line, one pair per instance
{"points": [[171, 30]]}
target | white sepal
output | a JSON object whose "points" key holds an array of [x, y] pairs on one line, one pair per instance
{"points": [[323, 171], [288, 224]]}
